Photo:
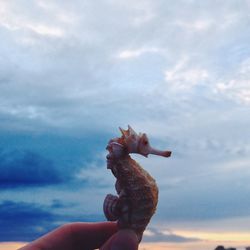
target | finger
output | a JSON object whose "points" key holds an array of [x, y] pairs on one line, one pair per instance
{"points": [[122, 240], [75, 236], [94, 235]]}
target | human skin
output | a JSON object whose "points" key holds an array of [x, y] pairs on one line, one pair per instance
{"points": [[86, 236]]}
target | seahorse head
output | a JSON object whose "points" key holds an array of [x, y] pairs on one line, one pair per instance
{"points": [[139, 143], [131, 142]]}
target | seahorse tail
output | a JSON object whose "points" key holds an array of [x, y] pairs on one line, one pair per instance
{"points": [[110, 207]]}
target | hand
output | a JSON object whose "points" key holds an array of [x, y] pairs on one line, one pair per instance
{"points": [[86, 236]]}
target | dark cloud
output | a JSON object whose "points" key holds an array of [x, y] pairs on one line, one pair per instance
{"points": [[26, 221], [19, 168], [30, 159], [23, 221], [157, 236]]}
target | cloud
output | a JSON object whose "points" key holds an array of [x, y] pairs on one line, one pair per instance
{"points": [[29, 24], [95, 176], [211, 194], [24, 221], [183, 77], [155, 235], [126, 54], [237, 86], [179, 76], [26, 168], [42, 159], [62, 68], [196, 25]]}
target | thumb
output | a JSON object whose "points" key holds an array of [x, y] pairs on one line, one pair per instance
{"points": [[122, 240]]}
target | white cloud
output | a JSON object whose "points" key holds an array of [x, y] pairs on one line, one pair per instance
{"points": [[237, 87], [39, 28], [184, 76], [96, 176], [196, 25], [28, 112], [46, 30], [127, 54], [165, 235]]}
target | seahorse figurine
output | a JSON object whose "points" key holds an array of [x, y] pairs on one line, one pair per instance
{"points": [[137, 191]]}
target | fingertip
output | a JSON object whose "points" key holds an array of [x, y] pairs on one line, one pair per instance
{"points": [[125, 239]]}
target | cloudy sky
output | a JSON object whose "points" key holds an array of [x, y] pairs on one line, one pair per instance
{"points": [[72, 72]]}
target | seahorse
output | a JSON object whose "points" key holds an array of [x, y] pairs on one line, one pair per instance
{"points": [[137, 191]]}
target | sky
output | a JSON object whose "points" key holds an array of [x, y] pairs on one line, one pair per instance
{"points": [[72, 72]]}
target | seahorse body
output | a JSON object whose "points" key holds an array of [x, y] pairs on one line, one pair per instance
{"points": [[138, 195], [136, 188]]}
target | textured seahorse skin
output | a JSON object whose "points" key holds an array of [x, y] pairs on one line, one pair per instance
{"points": [[136, 189], [138, 195]]}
